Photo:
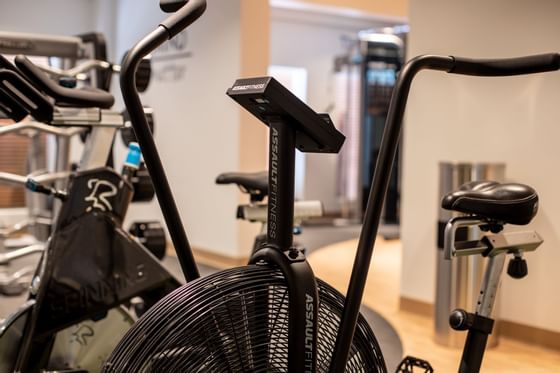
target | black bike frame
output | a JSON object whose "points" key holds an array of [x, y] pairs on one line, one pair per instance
{"points": [[381, 178], [166, 30], [281, 166], [278, 251]]}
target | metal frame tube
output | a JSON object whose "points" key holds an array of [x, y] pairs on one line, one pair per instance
{"points": [[281, 165], [167, 29], [149, 150], [303, 310], [490, 284], [374, 208], [473, 353], [300, 280]]}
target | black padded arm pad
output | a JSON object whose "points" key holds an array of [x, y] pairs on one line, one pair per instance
{"points": [[11, 108], [26, 96], [5, 64], [63, 95]]}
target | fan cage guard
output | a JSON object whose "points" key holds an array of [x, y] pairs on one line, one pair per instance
{"points": [[216, 324]]}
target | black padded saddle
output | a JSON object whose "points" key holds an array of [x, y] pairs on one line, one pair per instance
{"points": [[63, 96], [508, 203], [253, 183]]}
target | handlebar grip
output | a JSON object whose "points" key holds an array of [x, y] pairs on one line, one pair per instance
{"points": [[184, 17], [508, 66], [171, 6]]}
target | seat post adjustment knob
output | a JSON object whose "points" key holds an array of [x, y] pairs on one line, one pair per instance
{"points": [[460, 319], [517, 267]]}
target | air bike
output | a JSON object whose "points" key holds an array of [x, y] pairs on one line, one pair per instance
{"points": [[274, 315]]}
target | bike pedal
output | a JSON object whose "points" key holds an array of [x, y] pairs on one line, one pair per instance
{"points": [[408, 364]]}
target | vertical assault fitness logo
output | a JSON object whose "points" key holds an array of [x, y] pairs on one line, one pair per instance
{"points": [[168, 61]]}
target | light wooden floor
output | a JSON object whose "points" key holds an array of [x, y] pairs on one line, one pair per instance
{"points": [[333, 264]]}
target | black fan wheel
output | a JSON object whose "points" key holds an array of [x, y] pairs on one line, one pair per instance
{"points": [[235, 321]]}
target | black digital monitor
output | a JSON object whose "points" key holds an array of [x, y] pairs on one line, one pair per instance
{"points": [[267, 99]]}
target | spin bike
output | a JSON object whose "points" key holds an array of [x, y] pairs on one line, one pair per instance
{"points": [[150, 234], [39, 220], [90, 267]]}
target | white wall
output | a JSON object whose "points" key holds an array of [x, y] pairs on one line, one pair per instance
{"points": [[197, 125], [514, 120], [312, 40], [61, 17], [58, 17]]}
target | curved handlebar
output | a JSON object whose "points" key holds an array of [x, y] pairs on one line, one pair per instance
{"points": [[508, 66], [171, 6], [538, 63], [450, 64], [186, 15], [67, 96], [167, 29], [78, 70]]}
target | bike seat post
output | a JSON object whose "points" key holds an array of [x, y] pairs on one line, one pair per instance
{"points": [[482, 324], [479, 324], [490, 284], [494, 246]]}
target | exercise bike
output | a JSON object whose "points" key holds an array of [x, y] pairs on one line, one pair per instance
{"points": [[488, 206], [274, 315], [256, 185], [270, 315], [90, 267], [150, 234]]}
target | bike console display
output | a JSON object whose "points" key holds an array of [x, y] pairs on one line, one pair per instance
{"points": [[267, 99]]}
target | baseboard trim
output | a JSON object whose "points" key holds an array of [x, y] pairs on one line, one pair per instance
{"points": [[509, 329], [530, 334], [211, 259], [416, 306], [217, 260]]}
